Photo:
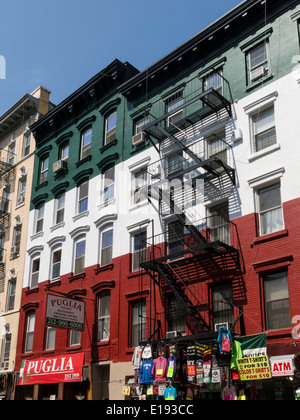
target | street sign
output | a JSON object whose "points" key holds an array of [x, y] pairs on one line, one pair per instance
{"points": [[63, 312]]}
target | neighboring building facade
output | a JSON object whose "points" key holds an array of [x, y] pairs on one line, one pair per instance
{"points": [[17, 160], [167, 202]]}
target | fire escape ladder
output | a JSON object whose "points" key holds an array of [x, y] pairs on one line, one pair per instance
{"points": [[168, 275]]}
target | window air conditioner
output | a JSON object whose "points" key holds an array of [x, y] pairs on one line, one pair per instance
{"points": [[221, 324], [155, 170], [258, 73], [138, 139], [60, 165], [171, 334]]}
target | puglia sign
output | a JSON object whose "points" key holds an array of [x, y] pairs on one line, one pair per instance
{"points": [[65, 313]]}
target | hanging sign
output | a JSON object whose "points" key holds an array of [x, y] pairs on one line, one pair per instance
{"points": [[282, 366], [49, 370], [65, 313], [254, 368]]}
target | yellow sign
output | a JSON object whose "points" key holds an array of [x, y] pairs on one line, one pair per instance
{"points": [[254, 368]]}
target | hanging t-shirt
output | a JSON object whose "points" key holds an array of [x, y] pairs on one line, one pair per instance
{"points": [[170, 393], [137, 357], [159, 369], [147, 352], [172, 367], [145, 372]]}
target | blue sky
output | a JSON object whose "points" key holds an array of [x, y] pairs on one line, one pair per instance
{"points": [[61, 44]]}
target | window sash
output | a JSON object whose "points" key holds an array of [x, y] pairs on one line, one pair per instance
{"points": [[44, 170], [276, 299], [50, 340], [11, 294], [270, 209], [29, 333], [138, 323], [104, 317], [79, 257], [56, 263], [35, 273], [140, 124], [83, 197], [26, 144], [75, 338], [140, 180], [86, 140], [258, 56]]}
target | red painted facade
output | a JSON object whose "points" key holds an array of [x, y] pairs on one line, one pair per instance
{"points": [[261, 255]]}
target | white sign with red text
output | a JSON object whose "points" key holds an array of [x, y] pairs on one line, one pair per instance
{"points": [[283, 367]]}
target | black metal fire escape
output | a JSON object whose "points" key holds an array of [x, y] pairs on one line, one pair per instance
{"points": [[207, 255]]}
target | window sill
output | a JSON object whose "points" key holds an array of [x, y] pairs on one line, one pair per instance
{"points": [[37, 235], [108, 267], [106, 204], [108, 146], [271, 236], [79, 216], [259, 82], [43, 184], [102, 343], [30, 291], [264, 152], [20, 205], [74, 348], [57, 226], [83, 161], [74, 277]]}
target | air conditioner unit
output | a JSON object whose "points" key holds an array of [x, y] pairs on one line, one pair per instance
{"points": [[155, 170], [258, 73], [171, 334], [21, 199], [60, 165], [221, 324], [237, 135], [138, 139]]}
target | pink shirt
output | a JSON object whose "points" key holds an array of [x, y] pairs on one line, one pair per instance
{"points": [[159, 369]]}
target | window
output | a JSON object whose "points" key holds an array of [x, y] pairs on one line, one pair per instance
{"points": [[44, 170], [26, 144], [103, 317], [111, 128], [40, 218], [29, 332], [176, 316], [219, 223], [138, 323], [56, 263], [217, 146], [140, 124], [5, 199], [16, 239], [175, 163], [35, 270], [75, 338], [11, 153], [140, 180], [106, 247], [109, 185], [86, 140], [264, 132], [83, 197], [21, 190], [270, 209], [60, 208], [222, 305], [258, 62], [5, 351], [175, 237], [11, 294], [276, 300], [79, 256], [172, 103], [214, 81], [2, 240], [50, 338], [64, 152], [139, 248]]}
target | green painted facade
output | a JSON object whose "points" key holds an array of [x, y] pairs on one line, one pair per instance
{"points": [[224, 46]]}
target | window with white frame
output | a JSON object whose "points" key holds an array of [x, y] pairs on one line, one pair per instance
{"points": [[106, 246], [258, 62], [11, 294], [109, 185], [5, 351], [140, 179], [111, 128], [83, 197], [74, 338], [44, 170], [11, 153], [29, 332], [56, 264], [103, 317], [21, 190], [270, 209], [86, 141], [79, 254], [64, 152], [35, 272], [40, 218], [141, 123], [26, 144], [173, 103], [217, 146], [138, 323], [139, 249], [60, 208], [50, 338], [16, 239], [264, 131], [214, 81]]}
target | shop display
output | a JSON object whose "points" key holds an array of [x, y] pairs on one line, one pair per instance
{"points": [[191, 370]]}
